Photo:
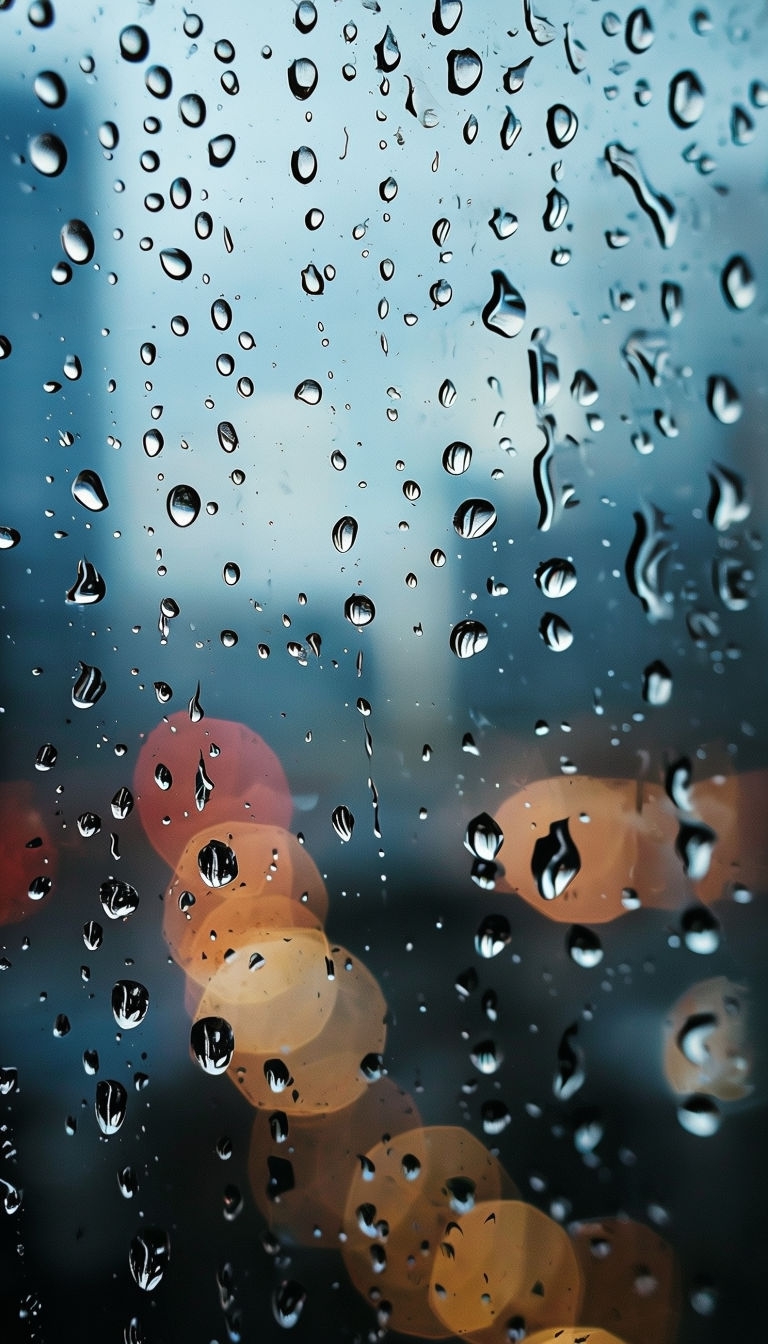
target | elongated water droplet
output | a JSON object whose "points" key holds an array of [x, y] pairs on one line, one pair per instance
{"points": [[89, 586], [48, 154], [77, 241], [505, 311], [639, 30], [148, 1257], [657, 683], [686, 98], [110, 1105], [555, 861], [387, 52], [130, 1003], [660, 210], [89, 687], [304, 164], [645, 559], [484, 837], [122, 803], [570, 1075], [212, 1043], [343, 822], [672, 302], [738, 282], [183, 505], [344, 533], [446, 15], [562, 125], [511, 127], [723, 400], [288, 1303]]}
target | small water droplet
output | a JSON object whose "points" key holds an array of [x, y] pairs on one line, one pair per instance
{"points": [[288, 1303], [556, 577], [701, 930], [302, 78], [657, 683], [584, 947], [562, 125], [343, 822], [183, 505], [89, 687], [50, 88], [110, 1105], [278, 1075], [304, 164], [738, 282], [639, 31], [48, 154], [77, 241]]}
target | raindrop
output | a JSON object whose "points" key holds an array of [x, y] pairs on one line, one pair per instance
{"points": [[183, 505], [158, 81], [344, 533], [89, 587], [555, 861], [134, 43], [130, 1002], [701, 931], [192, 109], [493, 935], [148, 1257], [556, 632], [217, 863], [649, 549], [639, 31], [555, 210], [672, 303], [220, 150], [699, 1115], [723, 400], [50, 88], [118, 899], [343, 822], [153, 442], [128, 1183], [562, 125], [738, 283], [48, 154], [487, 1058], [77, 241], [359, 610], [657, 683], [503, 223], [309, 392], [46, 757], [304, 164], [288, 1303], [446, 15], [446, 394], [570, 1075], [110, 1105], [470, 129], [122, 803], [511, 127], [556, 577], [584, 388], [495, 1117], [89, 687], [212, 1043], [304, 18], [465, 69], [175, 262], [468, 638], [584, 947], [686, 99], [88, 490], [457, 458], [728, 502], [484, 837], [302, 78], [277, 1074], [227, 435], [93, 935], [474, 518], [742, 126], [660, 210], [387, 52], [221, 314], [311, 280], [504, 313]]}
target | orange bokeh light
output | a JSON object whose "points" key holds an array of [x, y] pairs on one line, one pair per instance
{"points": [[705, 1046], [631, 1280]]}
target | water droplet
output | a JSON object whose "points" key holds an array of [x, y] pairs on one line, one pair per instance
{"points": [[77, 241], [192, 109], [110, 1105], [686, 98], [555, 210], [122, 803], [484, 837], [511, 127], [212, 1042], [50, 88], [130, 1003], [556, 577], [728, 502], [89, 586], [672, 302], [470, 129], [738, 283], [302, 78], [570, 1074], [118, 899], [175, 262], [148, 1257], [487, 1058], [221, 314], [555, 861], [344, 533], [723, 400], [495, 1117], [504, 313], [278, 1075], [584, 947], [220, 150], [645, 559], [660, 210], [699, 1115], [474, 518], [158, 81], [217, 863], [742, 126], [309, 392], [446, 393], [48, 154], [457, 458], [562, 125], [657, 684], [288, 1303], [9, 537], [639, 31], [359, 610], [304, 164], [446, 15], [387, 52], [556, 632], [701, 931], [46, 757], [92, 935], [465, 70], [89, 687], [468, 638], [134, 43], [183, 505]]}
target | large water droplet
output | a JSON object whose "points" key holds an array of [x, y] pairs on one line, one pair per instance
{"points": [[584, 947], [134, 43], [309, 391], [446, 15], [192, 109], [220, 150], [738, 282], [89, 586], [48, 154], [343, 822], [77, 241], [344, 533], [723, 400], [686, 98], [555, 860], [556, 632], [639, 30], [110, 1105], [468, 638], [701, 931], [183, 505], [304, 18], [302, 78], [728, 502], [88, 490], [118, 899], [457, 458], [217, 863], [387, 52], [158, 81], [504, 312], [50, 88], [555, 210], [212, 1042], [660, 210], [465, 70], [556, 577], [562, 125], [175, 262], [148, 1257], [474, 518], [304, 164], [359, 610], [484, 837], [130, 1003], [699, 1115]]}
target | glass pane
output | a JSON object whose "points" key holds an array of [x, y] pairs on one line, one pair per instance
{"points": [[383, 780]]}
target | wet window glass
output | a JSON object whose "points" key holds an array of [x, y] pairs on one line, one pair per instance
{"points": [[384, 758]]}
